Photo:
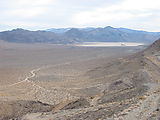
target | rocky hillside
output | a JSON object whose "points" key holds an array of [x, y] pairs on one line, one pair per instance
{"points": [[126, 88], [154, 48], [129, 90]]}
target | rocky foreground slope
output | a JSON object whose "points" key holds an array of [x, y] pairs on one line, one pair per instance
{"points": [[127, 88]]}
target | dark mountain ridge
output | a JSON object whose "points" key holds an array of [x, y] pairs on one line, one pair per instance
{"points": [[110, 34], [26, 36], [74, 35]]}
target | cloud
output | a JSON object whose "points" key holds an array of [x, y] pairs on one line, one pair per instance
{"points": [[25, 8], [26, 12], [137, 14], [33, 2], [119, 14]]}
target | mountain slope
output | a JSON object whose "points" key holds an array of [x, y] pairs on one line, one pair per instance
{"points": [[129, 90], [120, 88], [73, 35], [110, 34], [26, 36], [154, 48]]}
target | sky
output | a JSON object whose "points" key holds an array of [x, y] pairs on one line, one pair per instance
{"points": [[45, 14]]}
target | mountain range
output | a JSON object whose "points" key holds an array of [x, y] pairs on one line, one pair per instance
{"points": [[77, 35]]}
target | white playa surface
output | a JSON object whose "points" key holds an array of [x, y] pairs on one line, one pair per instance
{"points": [[109, 44]]}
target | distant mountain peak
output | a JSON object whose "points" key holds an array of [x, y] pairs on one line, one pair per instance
{"points": [[71, 35], [73, 30], [19, 29], [109, 27]]}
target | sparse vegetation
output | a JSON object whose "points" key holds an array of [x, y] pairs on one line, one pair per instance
{"points": [[68, 83]]}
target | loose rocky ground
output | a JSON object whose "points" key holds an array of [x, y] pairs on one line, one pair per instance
{"points": [[116, 88]]}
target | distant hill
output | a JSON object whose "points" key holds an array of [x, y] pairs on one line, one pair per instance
{"points": [[110, 34], [74, 35], [26, 36]]}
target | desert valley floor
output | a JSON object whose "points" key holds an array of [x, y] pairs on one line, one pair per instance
{"points": [[65, 82]]}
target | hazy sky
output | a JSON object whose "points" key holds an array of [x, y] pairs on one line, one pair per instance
{"points": [[43, 14]]}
